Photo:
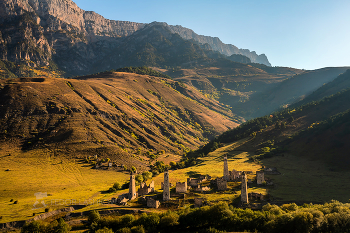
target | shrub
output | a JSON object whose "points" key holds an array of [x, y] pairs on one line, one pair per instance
{"points": [[104, 230], [94, 216], [138, 229], [33, 227], [169, 220], [124, 230], [117, 186]]}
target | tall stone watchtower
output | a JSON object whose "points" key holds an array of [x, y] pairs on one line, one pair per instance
{"points": [[132, 187], [244, 188], [226, 173], [166, 188]]}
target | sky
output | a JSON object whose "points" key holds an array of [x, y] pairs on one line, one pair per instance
{"points": [[308, 34]]}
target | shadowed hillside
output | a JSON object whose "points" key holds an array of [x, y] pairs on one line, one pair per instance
{"points": [[340, 83], [289, 91], [115, 114]]}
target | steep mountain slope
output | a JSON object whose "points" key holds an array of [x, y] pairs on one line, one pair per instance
{"points": [[289, 91], [232, 83], [317, 130], [116, 114], [77, 40], [340, 83], [217, 45]]}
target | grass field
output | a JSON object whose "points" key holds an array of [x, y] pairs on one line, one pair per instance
{"points": [[304, 180], [69, 181], [64, 181]]}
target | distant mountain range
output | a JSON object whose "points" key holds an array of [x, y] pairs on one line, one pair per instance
{"points": [[39, 32]]}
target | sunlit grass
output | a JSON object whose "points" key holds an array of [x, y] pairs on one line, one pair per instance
{"points": [[65, 182]]}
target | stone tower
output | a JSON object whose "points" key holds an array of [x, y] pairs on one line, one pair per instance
{"points": [[244, 187], [226, 173], [132, 187], [166, 188], [260, 177]]}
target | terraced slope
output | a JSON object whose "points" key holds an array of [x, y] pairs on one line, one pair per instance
{"points": [[113, 114]]}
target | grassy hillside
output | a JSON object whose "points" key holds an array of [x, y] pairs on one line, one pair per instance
{"points": [[231, 83], [277, 133], [114, 114], [289, 91]]}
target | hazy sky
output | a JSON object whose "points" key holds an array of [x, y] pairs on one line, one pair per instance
{"points": [[306, 34]]}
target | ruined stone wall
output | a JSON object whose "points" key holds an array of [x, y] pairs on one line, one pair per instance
{"points": [[181, 187], [151, 203]]}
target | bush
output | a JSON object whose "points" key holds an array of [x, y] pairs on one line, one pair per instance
{"points": [[33, 227], [104, 230], [117, 186], [124, 230], [169, 220], [138, 229], [94, 216]]}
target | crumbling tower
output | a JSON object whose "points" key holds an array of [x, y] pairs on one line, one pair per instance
{"points": [[226, 173], [244, 187], [260, 177], [166, 188], [132, 187]]}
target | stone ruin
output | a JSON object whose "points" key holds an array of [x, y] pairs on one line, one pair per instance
{"points": [[235, 175], [260, 177], [144, 189], [151, 203], [201, 188], [257, 196], [244, 189], [181, 187], [199, 202], [193, 182], [220, 183], [121, 200]]}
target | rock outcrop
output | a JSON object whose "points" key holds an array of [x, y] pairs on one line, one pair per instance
{"points": [[37, 32], [217, 45]]}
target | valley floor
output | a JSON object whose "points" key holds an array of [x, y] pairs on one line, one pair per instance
{"points": [[62, 182]]}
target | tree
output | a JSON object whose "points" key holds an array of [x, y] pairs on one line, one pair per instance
{"points": [[147, 175], [133, 169], [139, 178], [94, 216]]}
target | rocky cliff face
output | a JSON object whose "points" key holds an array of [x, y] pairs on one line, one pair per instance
{"points": [[217, 45], [38, 31]]}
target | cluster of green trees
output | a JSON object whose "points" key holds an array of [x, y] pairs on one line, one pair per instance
{"points": [[41, 227], [142, 70], [329, 217]]}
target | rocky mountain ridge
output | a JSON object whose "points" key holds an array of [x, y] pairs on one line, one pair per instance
{"points": [[47, 29]]}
